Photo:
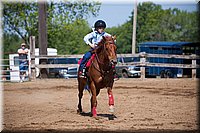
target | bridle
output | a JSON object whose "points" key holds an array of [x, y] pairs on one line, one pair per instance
{"points": [[111, 63]]}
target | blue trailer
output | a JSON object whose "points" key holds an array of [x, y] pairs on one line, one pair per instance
{"points": [[175, 48]]}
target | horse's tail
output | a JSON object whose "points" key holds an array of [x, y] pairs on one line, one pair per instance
{"points": [[87, 89]]}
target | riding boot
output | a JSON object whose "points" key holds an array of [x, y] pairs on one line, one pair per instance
{"points": [[82, 69]]}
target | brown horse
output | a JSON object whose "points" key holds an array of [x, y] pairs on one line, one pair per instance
{"points": [[100, 74]]}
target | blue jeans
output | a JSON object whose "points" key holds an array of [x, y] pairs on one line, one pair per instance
{"points": [[86, 57], [23, 66]]}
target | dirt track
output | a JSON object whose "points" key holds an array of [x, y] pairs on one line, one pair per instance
{"points": [[139, 104]]}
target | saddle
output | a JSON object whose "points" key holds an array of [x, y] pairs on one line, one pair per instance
{"points": [[88, 63]]}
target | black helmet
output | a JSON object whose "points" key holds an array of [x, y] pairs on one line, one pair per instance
{"points": [[99, 23]]}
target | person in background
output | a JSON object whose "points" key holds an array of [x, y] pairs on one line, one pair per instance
{"points": [[23, 61]]}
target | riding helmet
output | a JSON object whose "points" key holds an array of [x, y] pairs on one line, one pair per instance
{"points": [[99, 23]]}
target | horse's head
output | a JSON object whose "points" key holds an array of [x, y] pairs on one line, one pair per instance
{"points": [[109, 48]]}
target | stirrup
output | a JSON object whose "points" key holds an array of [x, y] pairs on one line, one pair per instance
{"points": [[116, 77], [82, 74]]}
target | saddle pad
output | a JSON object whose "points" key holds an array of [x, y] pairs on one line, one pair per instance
{"points": [[90, 60], [79, 61]]}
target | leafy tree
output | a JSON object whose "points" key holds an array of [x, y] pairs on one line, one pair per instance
{"points": [[147, 26], [124, 37], [157, 24], [180, 26], [21, 18], [11, 44], [67, 25], [70, 38]]}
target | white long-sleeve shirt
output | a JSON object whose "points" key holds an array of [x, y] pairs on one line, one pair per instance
{"points": [[94, 37]]}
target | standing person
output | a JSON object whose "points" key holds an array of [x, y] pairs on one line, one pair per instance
{"points": [[23, 61], [92, 39]]}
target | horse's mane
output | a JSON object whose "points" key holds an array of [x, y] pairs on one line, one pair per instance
{"points": [[103, 41]]}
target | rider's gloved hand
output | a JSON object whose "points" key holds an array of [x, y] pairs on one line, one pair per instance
{"points": [[93, 45]]}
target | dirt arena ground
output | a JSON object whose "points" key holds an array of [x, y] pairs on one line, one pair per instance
{"points": [[148, 104]]}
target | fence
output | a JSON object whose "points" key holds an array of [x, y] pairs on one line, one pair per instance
{"points": [[142, 63], [11, 70], [8, 73]]}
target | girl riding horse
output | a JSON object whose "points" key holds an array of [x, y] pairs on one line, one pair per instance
{"points": [[100, 74], [92, 39]]}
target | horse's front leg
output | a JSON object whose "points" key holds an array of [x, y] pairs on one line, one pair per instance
{"points": [[111, 100], [93, 100], [80, 95]]}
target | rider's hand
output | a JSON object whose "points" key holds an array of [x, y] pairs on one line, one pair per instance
{"points": [[92, 45]]}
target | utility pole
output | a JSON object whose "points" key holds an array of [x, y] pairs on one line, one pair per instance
{"points": [[43, 36], [134, 28], [42, 28]]}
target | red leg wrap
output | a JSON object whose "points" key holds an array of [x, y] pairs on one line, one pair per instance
{"points": [[94, 111], [111, 99]]}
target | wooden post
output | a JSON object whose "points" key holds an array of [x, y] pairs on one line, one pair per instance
{"points": [[43, 36], [134, 28], [194, 69], [142, 69], [32, 56], [42, 28]]}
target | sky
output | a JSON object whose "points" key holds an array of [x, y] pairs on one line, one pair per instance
{"points": [[117, 12]]}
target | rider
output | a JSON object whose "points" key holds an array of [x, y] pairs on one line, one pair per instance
{"points": [[92, 39]]}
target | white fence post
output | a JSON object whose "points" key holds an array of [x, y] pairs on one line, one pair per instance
{"points": [[194, 69], [142, 63]]}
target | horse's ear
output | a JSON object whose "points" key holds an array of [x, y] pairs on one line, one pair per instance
{"points": [[114, 37]]}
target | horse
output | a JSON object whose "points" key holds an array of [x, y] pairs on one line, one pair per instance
{"points": [[100, 74]]}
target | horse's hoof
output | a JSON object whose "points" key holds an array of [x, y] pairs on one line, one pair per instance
{"points": [[111, 117], [111, 109], [79, 111], [96, 117]]}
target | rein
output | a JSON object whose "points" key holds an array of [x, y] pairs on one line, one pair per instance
{"points": [[103, 73]]}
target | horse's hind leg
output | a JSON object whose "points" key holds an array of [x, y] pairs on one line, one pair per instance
{"points": [[80, 95]]}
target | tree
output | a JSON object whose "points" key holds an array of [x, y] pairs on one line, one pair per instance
{"points": [[157, 24], [21, 18], [69, 39], [179, 25], [11, 44], [124, 37]]}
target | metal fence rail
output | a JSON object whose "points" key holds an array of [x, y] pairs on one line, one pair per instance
{"points": [[6, 76], [6, 71]]}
